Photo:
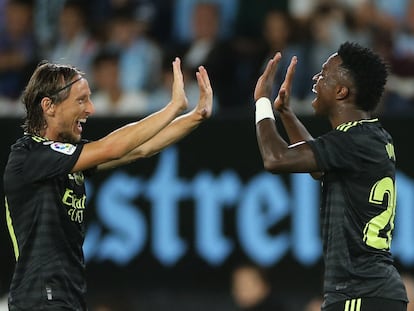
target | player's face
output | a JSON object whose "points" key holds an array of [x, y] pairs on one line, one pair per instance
{"points": [[73, 112], [325, 86]]}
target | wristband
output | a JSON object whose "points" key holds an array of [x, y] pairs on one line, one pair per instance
{"points": [[264, 109]]}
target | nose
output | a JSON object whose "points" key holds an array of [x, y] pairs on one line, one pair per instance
{"points": [[90, 108]]}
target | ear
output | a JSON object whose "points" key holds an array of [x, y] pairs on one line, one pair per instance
{"points": [[342, 92], [47, 106]]}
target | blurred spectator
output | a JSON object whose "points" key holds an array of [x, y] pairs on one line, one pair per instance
{"points": [[46, 23], [302, 9], [101, 11], [162, 21], [17, 49], [279, 36], [11, 108], [400, 96], [208, 49], [140, 61], [108, 97], [250, 16], [2, 13], [75, 45], [327, 31], [394, 10], [183, 15], [314, 304], [248, 43], [320, 34], [360, 23], [252, 291], [161, 95]]}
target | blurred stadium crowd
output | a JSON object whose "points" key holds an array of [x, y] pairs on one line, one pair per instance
{"points": [[125, 47]]}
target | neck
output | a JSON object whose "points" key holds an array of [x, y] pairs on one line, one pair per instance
{"points": [[344, 116], [48, 134]]}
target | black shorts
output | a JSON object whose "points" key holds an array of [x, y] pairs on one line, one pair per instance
{"points": [[368, 304]]}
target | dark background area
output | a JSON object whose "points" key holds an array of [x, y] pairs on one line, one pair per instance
{"points": [[192, 283]]}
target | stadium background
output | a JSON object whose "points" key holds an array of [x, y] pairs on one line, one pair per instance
{"points": [[166, 233]]}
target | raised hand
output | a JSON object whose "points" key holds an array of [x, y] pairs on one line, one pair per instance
{"points": [[178, 96], [265, 82], [205, 102], [282, 100]]}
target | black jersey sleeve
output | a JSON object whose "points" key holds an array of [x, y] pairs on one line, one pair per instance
{"points": [[50, 159], [336, 150]]}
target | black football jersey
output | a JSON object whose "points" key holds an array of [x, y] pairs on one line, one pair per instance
{"points": [[358, 211], [45, 205]]}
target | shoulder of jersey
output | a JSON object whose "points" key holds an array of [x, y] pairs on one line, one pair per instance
{"points": [[344, 127], [65, 148]]}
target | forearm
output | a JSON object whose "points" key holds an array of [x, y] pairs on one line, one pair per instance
{"points": [[128, 137], [173, 132], [271, 145], [278, 157], [295, 130], [122, 141]]}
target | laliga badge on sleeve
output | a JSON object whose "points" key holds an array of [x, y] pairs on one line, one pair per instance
{"points": [[64, 148]]}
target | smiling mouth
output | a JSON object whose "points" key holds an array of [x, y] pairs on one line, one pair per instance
{"points": [[314, 89], [79, 124]]}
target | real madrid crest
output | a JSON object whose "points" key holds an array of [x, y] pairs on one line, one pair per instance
{"points": [[77, 177]]}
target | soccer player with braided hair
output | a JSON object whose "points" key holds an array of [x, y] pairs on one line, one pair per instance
{"points": [[355, 162]]}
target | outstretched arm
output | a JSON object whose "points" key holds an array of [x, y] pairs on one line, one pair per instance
{"points": [[295, 130], [122, 141], [277, 155], [178, 128]]}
